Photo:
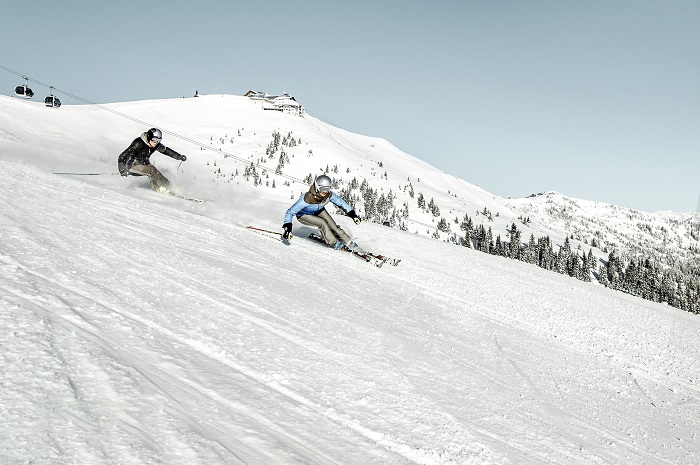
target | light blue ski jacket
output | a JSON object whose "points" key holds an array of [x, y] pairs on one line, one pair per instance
{"points": [[301, 208]]}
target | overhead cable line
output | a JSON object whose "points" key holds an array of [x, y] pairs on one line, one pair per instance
{"points": [[172, 133], [145, 123]]}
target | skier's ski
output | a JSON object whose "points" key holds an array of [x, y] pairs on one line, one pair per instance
{"points": [[184, 197], [385, 259], [361, 252], [366, 256]]}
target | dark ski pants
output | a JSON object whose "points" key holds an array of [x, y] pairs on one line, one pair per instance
{"points": [[330, 231], [158, 181]]}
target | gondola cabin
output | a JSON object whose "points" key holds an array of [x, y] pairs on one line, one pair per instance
{"points": [[24, 91], [52, 101]]}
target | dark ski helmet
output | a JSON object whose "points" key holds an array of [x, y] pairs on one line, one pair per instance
{"points": [[323, 183], [154, 134]]}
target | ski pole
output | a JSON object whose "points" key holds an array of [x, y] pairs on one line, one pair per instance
{"points": [[264, 230], [88, 174]]}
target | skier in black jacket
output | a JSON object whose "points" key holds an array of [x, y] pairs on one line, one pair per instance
{"points": [[135, 159]]}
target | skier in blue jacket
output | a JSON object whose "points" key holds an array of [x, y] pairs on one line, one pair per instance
{"points": [[310, 210]]}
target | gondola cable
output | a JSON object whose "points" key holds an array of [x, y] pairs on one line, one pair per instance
{"points": [[136, 120]]}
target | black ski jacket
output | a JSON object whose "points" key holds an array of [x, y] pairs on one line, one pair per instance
{"points": [[139, 152]]}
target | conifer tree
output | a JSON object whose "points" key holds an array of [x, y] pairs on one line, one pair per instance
{"points": [[574, 266], [479, 238], [498, 248], [468, 237], [603, 275], [433, 208], [586, 267], [614, 270], [630, 281], [515, 245], [531, 254]]}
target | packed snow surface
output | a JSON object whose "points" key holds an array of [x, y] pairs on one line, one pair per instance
{"points": [[140, 328]]}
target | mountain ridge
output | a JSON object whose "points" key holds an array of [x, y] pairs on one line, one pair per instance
{"points": [[231, 139]]}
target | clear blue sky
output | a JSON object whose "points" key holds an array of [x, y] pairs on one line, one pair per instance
{"points": [[598, 99]]}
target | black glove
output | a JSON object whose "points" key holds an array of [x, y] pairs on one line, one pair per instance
{"points": [[287, 231], [354, 216], [123, 171], [183, 158]]}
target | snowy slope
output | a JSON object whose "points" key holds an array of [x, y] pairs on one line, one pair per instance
{"points": [[236, 130], [140, 328]]}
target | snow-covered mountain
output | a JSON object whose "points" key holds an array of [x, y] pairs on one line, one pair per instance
{"points": [[609, 226], [141, 328], [235, 140]]}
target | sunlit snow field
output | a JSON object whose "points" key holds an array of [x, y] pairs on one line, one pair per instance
{"points": [[140, 328]]}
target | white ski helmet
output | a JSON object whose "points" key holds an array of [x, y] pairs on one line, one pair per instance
{"points": [[323, 183], [154, 134]]}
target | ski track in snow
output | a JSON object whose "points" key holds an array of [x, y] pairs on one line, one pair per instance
{"points": [[139, 330]]}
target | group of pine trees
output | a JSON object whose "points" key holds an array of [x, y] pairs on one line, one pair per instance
{"points": [[541, 252], [643, 277]]}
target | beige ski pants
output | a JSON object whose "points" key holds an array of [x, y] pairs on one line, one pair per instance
{"points": [[330, 231], [157, 179]]}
